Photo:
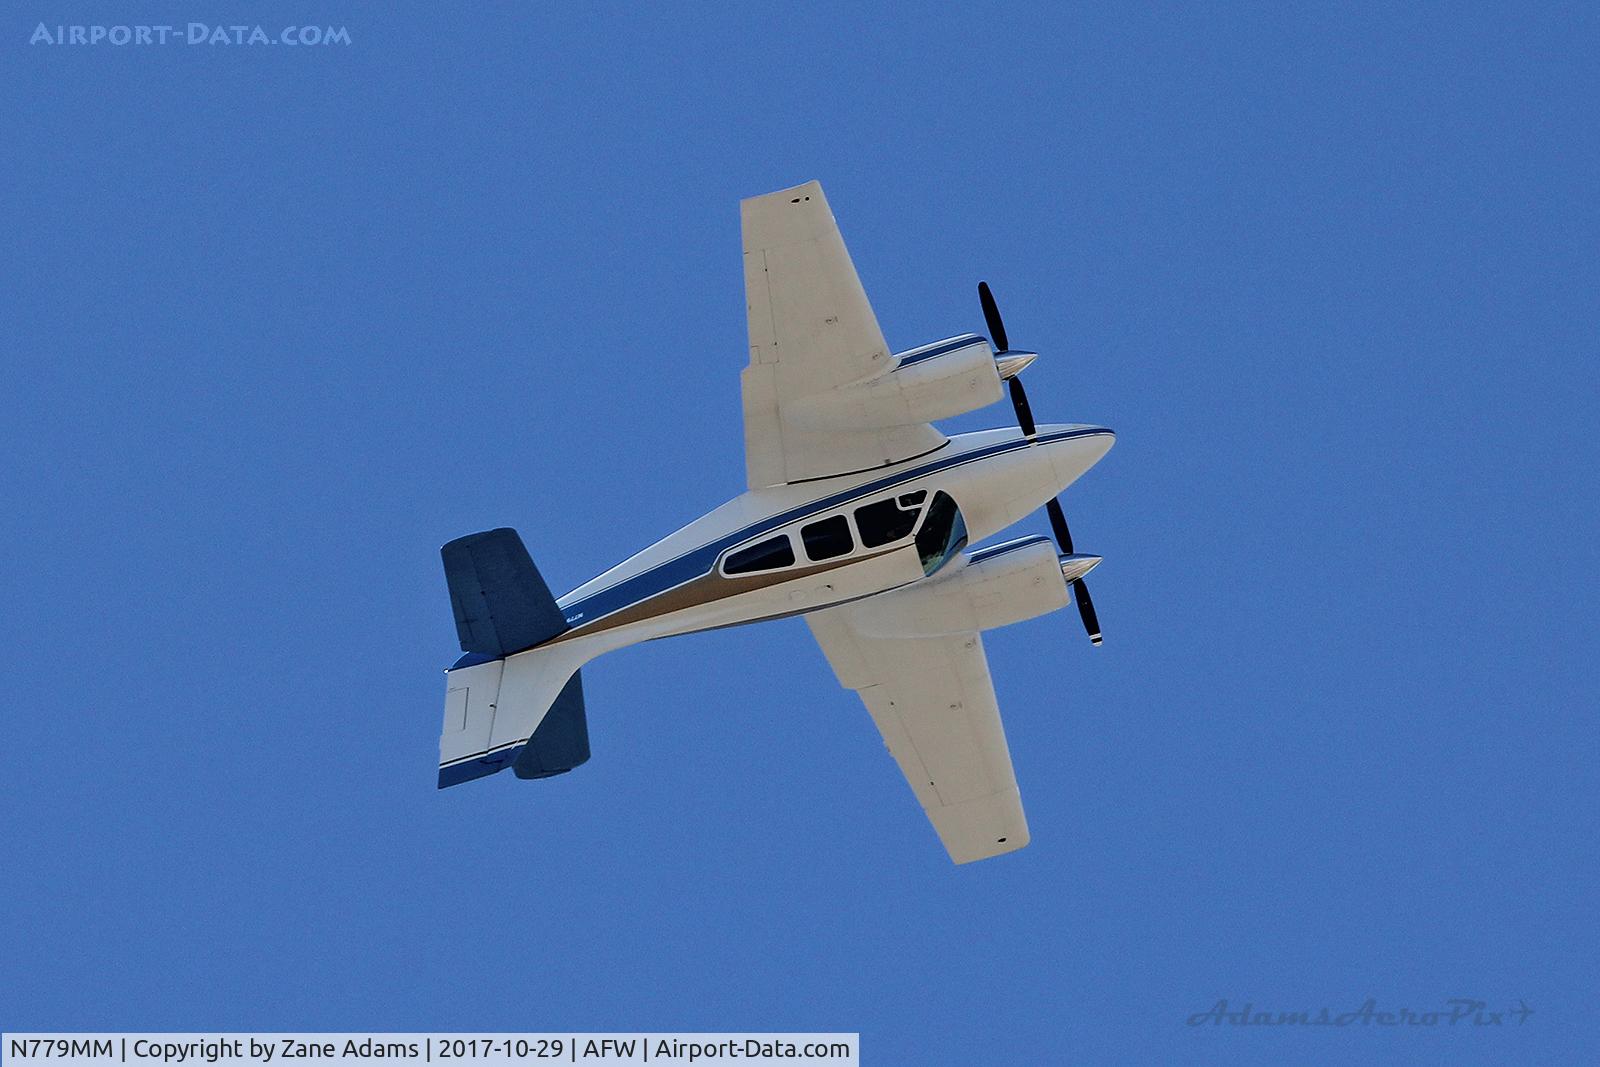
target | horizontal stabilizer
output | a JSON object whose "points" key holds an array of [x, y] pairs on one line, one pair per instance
{"points": [[525, 714], [501, 603]]}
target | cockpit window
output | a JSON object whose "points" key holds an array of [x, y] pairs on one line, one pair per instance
{"points": [[884, 521], [766, 555], [943, 533], [828, 538]]}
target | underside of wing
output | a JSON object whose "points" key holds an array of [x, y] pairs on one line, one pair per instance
{"points": [[933, 701], [812, 333]]}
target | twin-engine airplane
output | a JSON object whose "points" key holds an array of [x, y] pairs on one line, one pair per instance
{"points": [[859, 516]]}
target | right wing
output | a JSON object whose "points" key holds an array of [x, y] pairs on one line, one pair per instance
{"points": [[933, 702], [812, 331]]}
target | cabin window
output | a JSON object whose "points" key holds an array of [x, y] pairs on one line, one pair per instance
{"points": [[943, 533], [884, 521], [766, 555], [828, 538]]}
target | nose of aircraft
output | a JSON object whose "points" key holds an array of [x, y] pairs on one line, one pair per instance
{"points": [[1074, 448]]}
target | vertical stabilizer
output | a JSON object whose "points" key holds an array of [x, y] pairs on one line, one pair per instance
{"points": [[502, 604]]}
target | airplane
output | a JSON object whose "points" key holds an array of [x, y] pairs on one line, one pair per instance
{"points": [[860, 516]]}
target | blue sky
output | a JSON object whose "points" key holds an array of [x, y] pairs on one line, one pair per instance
{"points": [[279, 322]]}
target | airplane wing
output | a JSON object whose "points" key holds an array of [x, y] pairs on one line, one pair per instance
{"points": [[933, 702], [811, 331]]}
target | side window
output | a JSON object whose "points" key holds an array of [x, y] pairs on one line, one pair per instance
{"points": [[883, 522], [828, 538], [765, 555]]}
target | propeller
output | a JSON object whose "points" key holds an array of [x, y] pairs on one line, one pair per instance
{"points": [[1019, 401]]}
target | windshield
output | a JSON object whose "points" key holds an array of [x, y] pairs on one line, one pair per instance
{"points": [[943, 533]]}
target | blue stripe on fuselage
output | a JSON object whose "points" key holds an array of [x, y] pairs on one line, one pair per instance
{"points": [[702, 560]]}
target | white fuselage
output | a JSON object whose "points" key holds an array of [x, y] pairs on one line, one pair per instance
{"points": [[681, 583]]}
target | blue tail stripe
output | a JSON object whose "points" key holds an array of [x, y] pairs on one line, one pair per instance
{"points": [[472, 769]]}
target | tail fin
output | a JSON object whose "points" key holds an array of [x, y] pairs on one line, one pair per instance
{"points": [[502, 605], [524, 712]]}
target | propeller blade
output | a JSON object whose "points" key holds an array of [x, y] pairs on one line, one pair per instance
{"points": [[1080, 592], [991, 315], [1058, 523], [1019, 401], [1091, 621]]}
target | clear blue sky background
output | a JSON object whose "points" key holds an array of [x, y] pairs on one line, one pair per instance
{"points": [[279, 322]]}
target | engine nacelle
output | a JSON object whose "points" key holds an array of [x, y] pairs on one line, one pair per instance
{"points": [[992, 587], [935, 381]]}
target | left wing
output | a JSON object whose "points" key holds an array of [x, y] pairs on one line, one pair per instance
{"points": [[812, 333], [933, 702]]}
